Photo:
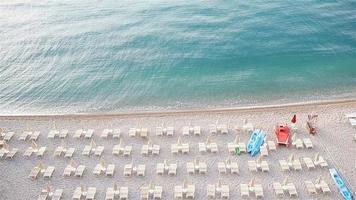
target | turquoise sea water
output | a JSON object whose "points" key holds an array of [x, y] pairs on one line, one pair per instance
{"points": [[109, 56]]}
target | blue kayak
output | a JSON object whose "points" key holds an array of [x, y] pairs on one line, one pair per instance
{"points": [[340, 184], [255, 142], [252, 140]]}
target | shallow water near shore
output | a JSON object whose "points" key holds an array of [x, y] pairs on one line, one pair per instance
{"points": [[86, 57]]}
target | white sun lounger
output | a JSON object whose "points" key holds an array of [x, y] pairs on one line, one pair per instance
{"points": [[63, 133], [324, 187], [24, 135], [68, 170], [144, 132], [258, 189], [320, 161], [86, 150], [308, 143], [69, 152], [58, 151], [77, 195], [132, 132], [212, 130], [106, 132], [310, 187], [170, 131], [52, 134], [297, 165], [28, 152], [352, 122], [99, 150], [210, 191], [78, 133], [157, 192], [290, 187], [252, 166], [34, 136], [197, 130], [278, 189], [284, 165], [98, 169], [271, 145], [298, 143], [79, 171], [110, 169], [185, 130], [35, 172], [222, 128], [57, 195], [8, 136], [41, 151], [309, 163], [3, 152], [89, 134], [244, 190], [90, 193], [48, 172], [11, 153], [264, 150]]}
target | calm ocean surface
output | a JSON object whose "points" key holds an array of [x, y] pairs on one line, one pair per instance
{"points": [[108, 56]]}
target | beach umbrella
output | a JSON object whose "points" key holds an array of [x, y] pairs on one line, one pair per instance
{"points": [[294, 119]]}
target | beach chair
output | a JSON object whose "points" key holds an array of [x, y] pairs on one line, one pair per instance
{"points": [[63, 133], [57, 195], [264, 150], [309, 163], [263, 165], [296, 164], [106, 132], [292, 191], [278, 190], [222, 168], [79, 171], [284, 165], [210, 191], [78, 133], [7, 137], [77, 195], [202, 147], [144, 132], [258, 189], [308, 143], [98, 150], [252, 166], [157, 192], [69, 152], [222, 128], [185, 130], [12, 152], [271, 145], [41, 151], [298, 143], [110, 169], [89, 134], [320, 161], [244, 191], [116, 134], [170, 131], [197, 130], [159, 131], [110, 193], [52, 134], [132, 132], [190, 191], [58, 151], [90, 195], [310, 187], [34, 135], [124, 193], [324, 187], [212, 129], [68, 170], [24, 135], [128, 170], [86, 151], [140, 171], [35, 171], [3, 152], [48, 172], [98, 169], [178, 192], [224, 191]]}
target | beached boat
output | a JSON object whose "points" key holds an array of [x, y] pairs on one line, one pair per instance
{"points": [[255, 142], [340, 184], [282, 135]]}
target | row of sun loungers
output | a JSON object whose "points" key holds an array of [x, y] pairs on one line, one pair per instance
{"points": [[47, 194], [218, 190]]}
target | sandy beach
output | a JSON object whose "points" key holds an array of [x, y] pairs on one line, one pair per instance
{"points": [[334, 141]]}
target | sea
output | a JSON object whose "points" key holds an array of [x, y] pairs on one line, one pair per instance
{"points": [[108, 56]]}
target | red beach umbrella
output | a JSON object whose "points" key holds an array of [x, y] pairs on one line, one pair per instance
{"points": [[294, 119]]}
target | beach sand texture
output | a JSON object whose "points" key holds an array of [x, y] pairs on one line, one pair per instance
{"points": [[333, 141]]}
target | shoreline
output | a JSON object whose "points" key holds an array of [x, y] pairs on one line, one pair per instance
{"points": [[184, 111]]}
